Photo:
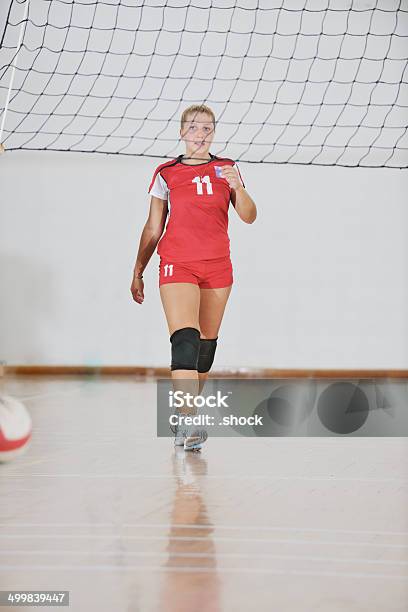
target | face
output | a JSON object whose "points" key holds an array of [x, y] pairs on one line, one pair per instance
{"points": [[197, 133]]}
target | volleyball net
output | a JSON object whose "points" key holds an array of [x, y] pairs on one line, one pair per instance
{"points": [[291, 81]]}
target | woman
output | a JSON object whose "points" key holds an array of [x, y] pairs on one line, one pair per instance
{"points": [[195, 271]]}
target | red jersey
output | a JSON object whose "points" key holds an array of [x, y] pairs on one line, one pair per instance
{"points": [[198, 203]]}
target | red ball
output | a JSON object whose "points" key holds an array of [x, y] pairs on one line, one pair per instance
{"points": [[15, 427]]}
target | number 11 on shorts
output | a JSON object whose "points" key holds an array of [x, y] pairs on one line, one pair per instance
{"points": [[168, 270]]}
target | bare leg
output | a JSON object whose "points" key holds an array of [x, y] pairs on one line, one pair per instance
{"points": [[181, 303], [185, 305], [212, 307]]}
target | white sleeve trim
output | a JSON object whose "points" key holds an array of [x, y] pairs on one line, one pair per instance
{"points": [[159, 188]]}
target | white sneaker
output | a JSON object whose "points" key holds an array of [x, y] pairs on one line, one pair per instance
{"points": [[195, 440], [180, 434], [179, 438]]}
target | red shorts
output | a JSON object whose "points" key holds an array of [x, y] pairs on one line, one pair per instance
{"points": [[206, 273]]}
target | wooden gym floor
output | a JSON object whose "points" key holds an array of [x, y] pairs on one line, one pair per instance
{"points": [[100, 507]]}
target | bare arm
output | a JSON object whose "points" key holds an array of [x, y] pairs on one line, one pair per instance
{"points": [[151, 234], [243, 204], [240, 198]]}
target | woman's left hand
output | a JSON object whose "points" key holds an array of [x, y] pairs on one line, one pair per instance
{"points": [[231, 175]]}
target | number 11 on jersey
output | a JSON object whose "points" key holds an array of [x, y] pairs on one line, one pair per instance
{"points": [[199, 181]]}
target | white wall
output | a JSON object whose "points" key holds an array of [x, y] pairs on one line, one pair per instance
{"points": [[320, 278]]}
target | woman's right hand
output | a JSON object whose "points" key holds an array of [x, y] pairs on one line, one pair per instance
{"points": [[137, 289]]}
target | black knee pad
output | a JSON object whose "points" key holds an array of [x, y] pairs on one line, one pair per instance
{"points": [[185, 348], [206, 356]]}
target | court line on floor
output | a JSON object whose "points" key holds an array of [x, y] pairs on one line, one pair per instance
{"points": [[198, 555], [333, 479], [169, 537], [271, 528], [28, 398], [211, 526], [196, 570]]}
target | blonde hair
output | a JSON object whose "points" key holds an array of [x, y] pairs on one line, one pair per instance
{"points": [[197, 108]]}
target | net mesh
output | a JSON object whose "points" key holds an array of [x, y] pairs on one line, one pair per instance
{"points": [[304, 82]]}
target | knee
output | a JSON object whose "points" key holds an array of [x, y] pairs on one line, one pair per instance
{"points": [[206, 355], [185, 348]]}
